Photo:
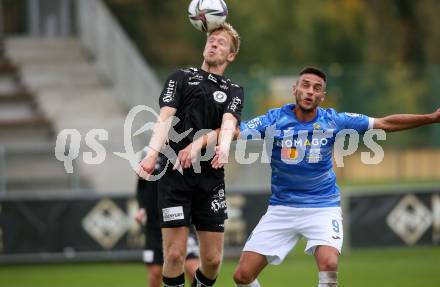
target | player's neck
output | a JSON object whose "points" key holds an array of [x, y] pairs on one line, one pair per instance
{"points": [[305, 115], [217, 69]]}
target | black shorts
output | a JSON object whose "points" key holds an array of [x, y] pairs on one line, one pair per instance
{"points": [[153, 253], [193, 198]]}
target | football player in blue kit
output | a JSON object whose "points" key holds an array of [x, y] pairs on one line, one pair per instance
{"points": [[305, 200]]}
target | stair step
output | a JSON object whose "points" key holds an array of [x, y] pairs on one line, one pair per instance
{"points": [[41, 186], [28, 168], [34, 129], [17, 44], [34, 165], [6, 67], [19, 95], [40, 50], [17, 109], [33, 184], [9, 84]]}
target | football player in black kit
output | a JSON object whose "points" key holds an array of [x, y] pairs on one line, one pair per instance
{"points": [[202, 99], [148, 215]]}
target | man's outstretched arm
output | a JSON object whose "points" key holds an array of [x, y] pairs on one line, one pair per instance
{"points": [[158, 139], [401, 122], [188, 155]]}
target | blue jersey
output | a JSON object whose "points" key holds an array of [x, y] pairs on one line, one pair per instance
{"points": [[301, 160]]}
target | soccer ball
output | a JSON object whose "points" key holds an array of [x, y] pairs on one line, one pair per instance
{"points": [[206, 15]]}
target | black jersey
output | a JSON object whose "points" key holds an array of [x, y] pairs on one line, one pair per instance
{"points": [[201, 99]]}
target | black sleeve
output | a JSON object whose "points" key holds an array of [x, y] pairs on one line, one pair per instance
{"points": [[235, 105], [141, 192], [172, 91]]}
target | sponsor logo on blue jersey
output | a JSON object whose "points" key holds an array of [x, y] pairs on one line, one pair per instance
{"points": [[301, 160]]}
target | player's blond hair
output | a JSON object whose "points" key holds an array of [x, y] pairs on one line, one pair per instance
{"points": [[232, 33]]}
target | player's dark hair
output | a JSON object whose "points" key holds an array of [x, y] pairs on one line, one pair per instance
{"points": [[314, 71]]}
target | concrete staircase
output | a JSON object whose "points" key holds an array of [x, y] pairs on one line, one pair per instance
{"points": [[26, 139], [48, 85]]}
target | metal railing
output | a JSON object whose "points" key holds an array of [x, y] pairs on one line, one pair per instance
{"points": [[117, 58]]}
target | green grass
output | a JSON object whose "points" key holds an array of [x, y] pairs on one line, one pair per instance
{"points": [[402, 267], [391, 183]]}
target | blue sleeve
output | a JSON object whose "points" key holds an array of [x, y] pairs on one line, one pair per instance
{"points": [[357, 122], [260, 123]]}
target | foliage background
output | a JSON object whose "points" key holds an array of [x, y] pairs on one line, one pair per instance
{"points": [[381, 56]]}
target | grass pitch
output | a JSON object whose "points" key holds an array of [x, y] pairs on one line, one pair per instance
{"points": [[397, 267]]}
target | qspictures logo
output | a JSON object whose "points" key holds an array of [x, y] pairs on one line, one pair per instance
{"points": [[303, 145]]}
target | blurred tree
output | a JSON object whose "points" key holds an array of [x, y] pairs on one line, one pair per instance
{"points": [[285, 33], [381, 56], [429, 32], [155, 27], [12, 18], [392, 32]]}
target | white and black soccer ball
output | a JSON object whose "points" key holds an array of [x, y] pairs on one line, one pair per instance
{"points": [[206, 15]]}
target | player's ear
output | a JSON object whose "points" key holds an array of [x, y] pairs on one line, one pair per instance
{"points": [[323, 97], [231, 57]]}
